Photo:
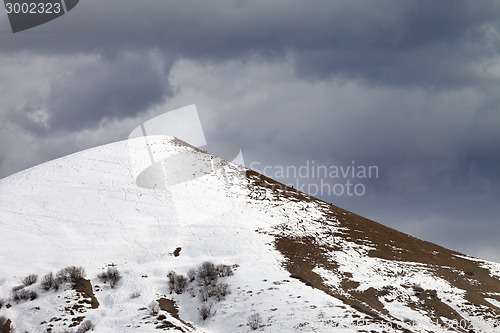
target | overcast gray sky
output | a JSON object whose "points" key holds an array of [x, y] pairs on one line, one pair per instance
{"points": [[411, 87]]}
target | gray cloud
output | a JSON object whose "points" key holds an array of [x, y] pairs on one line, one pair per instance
{"points": [[103, 89], [425, 43], [117, 88]]}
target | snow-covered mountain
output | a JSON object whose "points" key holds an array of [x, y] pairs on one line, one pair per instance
{"points": [[194, 236]]}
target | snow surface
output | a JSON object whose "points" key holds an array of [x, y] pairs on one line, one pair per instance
{"points": [[132, 203]]}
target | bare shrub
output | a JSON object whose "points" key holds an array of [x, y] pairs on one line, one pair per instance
{"points": [[191, 274], [205, 311], [70, 274], [208, 273], [211, 290], [222, 290], [61, 276], [23, 295], [49, 282], [171, 280], [85, 327], [224, 270], [204, 294], [254, 321], [154, 308], [30, 279], [75, 273], [176, 282], [33, 295], [135, 294], [218, 292], [112, 275], [180, 284], [19, 295]]}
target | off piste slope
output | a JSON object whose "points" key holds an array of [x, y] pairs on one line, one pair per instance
{"points": [[153, 205]]}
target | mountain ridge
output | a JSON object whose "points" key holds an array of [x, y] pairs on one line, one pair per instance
{"points": [[416, 250], [132, 204]]}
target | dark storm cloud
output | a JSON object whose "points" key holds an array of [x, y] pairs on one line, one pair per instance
{"points": [[426, 43], [117, 88], [430, 43], [102, 89]]}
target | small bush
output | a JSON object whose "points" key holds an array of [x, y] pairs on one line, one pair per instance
{"points": [[176, 282], [23, 295], [254, 321], [180, 284], [135, 294], [218, 292], [85, 327], [49, 282], [191, 274], [112, 275], [205, 311], [171, 280], [19, 295], [61, 276], [76, 273], [208, 273], [204, 294], [224, 270], [222, 290], [30, 279], [154, 308], [70, 274], [212, 291]]}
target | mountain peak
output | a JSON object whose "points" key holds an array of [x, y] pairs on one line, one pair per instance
{"points": [[155, 208]]}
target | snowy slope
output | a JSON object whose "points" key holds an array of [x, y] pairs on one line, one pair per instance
{"points": [[300, 263]]}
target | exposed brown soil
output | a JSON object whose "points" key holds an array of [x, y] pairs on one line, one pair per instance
{"points": [[76, 321], [169, 306], [84, 288], [442, 261], [6, 327], [303, 254]]}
